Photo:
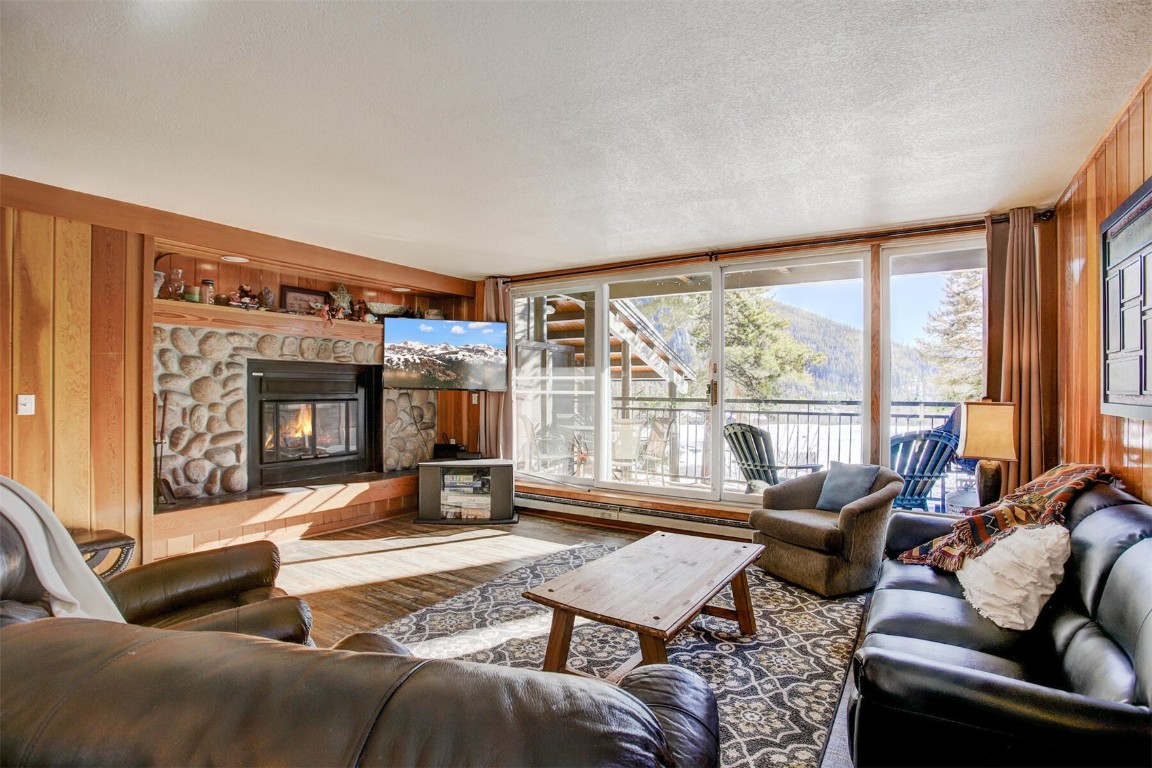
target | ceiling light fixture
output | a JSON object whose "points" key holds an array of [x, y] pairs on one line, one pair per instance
{"points": [[401, 289], [235, 259]]}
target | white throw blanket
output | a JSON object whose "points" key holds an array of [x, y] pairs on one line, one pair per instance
{"points": [[73, 589]]}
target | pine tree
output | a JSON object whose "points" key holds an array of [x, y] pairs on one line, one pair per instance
{"points": [[760, 350], [955, 343]]}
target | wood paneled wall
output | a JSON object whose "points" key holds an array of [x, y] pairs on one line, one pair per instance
{"points": [[1119, 165], [73, 335], [75, 331], [229, 276]]}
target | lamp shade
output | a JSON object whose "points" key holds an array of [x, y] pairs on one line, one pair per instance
{"points": [[987, 431]]}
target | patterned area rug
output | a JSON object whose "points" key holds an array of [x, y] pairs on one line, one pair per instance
{"points": [[777, 691]]}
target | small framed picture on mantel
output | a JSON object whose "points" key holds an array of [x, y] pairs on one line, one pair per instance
{"points": [[300, 300]]}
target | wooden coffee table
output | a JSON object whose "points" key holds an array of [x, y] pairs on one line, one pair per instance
{"points": [[654, 587]]}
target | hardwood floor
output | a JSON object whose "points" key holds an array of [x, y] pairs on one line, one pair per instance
{"points": [[365, 577]]}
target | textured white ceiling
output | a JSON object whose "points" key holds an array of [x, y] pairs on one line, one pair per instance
{"points": [[481, 138]]}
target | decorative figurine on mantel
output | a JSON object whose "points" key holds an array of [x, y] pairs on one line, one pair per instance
{"points": [[360, 311], [267, 298], [342, 300]]}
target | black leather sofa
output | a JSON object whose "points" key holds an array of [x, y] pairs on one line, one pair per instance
{"points": [[938, 684]]}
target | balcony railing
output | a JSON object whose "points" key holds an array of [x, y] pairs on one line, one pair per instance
{"points": [[802, 432]]}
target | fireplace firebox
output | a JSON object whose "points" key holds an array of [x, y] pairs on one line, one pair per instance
{"points": [[310, 421]]}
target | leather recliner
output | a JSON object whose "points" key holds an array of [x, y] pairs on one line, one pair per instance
{"points": [[938, 684], [231, 589]]}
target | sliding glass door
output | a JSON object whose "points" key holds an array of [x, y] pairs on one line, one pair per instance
{"points": [[795, 371], [660, 411], [554, 383], [935, 344]]}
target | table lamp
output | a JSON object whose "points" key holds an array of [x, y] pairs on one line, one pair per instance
{"points": [[988, 433]]}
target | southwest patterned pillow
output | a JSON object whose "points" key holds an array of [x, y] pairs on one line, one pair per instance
{"points": [[1039, 502]]}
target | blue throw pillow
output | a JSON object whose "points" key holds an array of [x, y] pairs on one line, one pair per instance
{"points": [[845, 483]]}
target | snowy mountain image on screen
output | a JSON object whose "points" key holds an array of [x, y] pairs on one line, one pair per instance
{"points": [[442, 362]]}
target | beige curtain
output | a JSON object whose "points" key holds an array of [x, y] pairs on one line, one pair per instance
{"points": [[1020, 379], [496, 407]]}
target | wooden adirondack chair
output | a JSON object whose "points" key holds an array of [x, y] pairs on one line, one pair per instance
{"points": [[922, 459], [752, 448]]}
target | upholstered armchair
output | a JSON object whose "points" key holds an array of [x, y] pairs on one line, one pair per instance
{"points": [[832, 550]]}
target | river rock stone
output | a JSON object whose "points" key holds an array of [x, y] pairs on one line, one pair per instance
{"points": [[290, 347], [195, 446], [417, 413], [237, 415], [360, 352], [233, 380], [186, 492], [196, 470], [214, 345], [268, 345], [217, 409], [216, 425], [391, 459], [193, 365], [378, 354], [173, 381], [309, 347], [234, 479], [239, 340], [177, 399], [221, 457], [169, 359], [178, 437], [407, 459], [212, 484], [205, 390], [232, 437], [390, 411], [184, 341], [159, 336], [232, 394], [398, 443], [198, 418], [325, 351]]}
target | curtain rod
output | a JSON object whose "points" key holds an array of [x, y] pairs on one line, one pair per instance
{"points": [[751, 250]]}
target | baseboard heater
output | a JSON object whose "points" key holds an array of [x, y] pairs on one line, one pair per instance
{"points": [[632, 514]]}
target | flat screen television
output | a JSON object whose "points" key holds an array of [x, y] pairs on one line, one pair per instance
{"points": [[445, 354]]}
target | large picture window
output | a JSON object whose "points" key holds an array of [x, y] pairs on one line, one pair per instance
{"points": [[715, 382]]}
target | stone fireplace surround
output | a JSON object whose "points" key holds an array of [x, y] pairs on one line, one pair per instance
{"points": [[201, 375]]}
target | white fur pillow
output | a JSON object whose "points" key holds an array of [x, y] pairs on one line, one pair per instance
{"points": [[1010, 582]]}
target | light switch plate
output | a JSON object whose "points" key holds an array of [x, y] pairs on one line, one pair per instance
{"points": [[25, 405]]}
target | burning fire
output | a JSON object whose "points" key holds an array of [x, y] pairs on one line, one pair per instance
{"points": [[294, 433]]}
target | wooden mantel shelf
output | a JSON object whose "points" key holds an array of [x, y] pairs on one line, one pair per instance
{"points": [[168, 312]]}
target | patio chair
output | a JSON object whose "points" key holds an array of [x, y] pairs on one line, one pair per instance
{"points": [[654, 452], [625, 447], [922, 459], [752, 448], [543, 451]]}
